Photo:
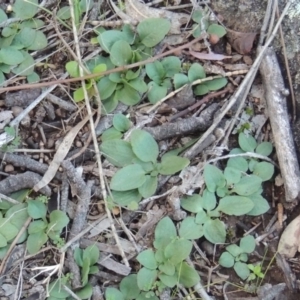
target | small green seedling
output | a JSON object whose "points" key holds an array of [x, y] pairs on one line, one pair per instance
{"points": [[139, 171], [256, 272], [237, 256]]}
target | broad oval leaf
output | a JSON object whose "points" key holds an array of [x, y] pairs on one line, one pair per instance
{"points": [[189, 229], [26, 67], [129, 287], [165, 231], [168, 280], [171, 65], [155, 71], [214, 231], [196, 71], [37, 226], [239, 163], [144, 145], [264, 148], [192, 203], [127, 95], [11, 56], [216, 84], [58, 220], [126, 198], [72, 68], [235, 205], [241, 270], [3, 16], [226, 260], [178, 250], [146, 279], [117, 152], [35, 242], [128, 178], [91, 252], [264, 170], [232, 175], [247, 142], [36, 209], [180, 80], [188, 276], [40, 42], [217, 30], [156, 92], [209, 200], [173, 164], [121, 123], [25, 9], [109, 37], [248, 244], [247, 185], [261, 205], [120, 53], [7, 229], [113, 294], [106, 87], [152, 30], [166, 267], [147, 259], [213, 177], [149, 187], [86, 292], [64, 13]]}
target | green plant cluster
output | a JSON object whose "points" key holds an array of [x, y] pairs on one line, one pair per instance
{"points": [[18, 38], [236, 256], [235, 191], [139, 171], [14, 216], [123, 47]]}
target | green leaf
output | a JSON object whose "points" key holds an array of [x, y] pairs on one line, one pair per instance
{"points": [[7, 229], [111, 134], [209, 200], [3, 16], [25, 9], [85, 271], [171, 65], [127, 95], [130, 75], [117, 152], [129, 287], [247, 142], [128, 178], [216, 84], [156, 72], [91, 252], [196, 71], [121, 123], [264, 170], [248, 244], [26, 67], [261, 205], [238, 163], [243, 257], [156, 92], [64, 13], [190, 230], [120, 53], [36, 209], [234, 250], [138, 84], [108, 38], [35, 242], [27, 36], [149, 187], [165, 231], [125, 198], [213, 177], [113, 294], [168, 280], [235, 205], [192, 203], [86, 5], [247, 185], [188, 276], [86, 292], [232, 175], [214, 231], [147, 259], [56, 290], [265, 148], [226, 260], [178, 250], [144, 145], [3, 241], [201, 90], [40, 42], [167, 267], [37, 226], [241, 270], [216, 29], [33, 78], [106, 87], [146, 279], [152, 31], [180, 80], [11, 56], [201, 217], [173, 164], [18, 215], [78, 253], [197, 15], [72, 68], [58, 220]]}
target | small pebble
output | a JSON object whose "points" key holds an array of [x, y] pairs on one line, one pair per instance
{"points": [[9, 168]]}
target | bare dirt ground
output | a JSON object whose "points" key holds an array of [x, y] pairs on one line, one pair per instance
{"points": [[59, 186]]}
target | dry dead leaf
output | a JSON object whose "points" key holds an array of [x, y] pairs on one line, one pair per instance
{"points": [[5, 117], [208, 56], [289, 242], [140, 11], [240, 41], [60, 155]]}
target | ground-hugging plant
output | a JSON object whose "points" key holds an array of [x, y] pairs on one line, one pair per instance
{"points": [[40, 230], [235, 191], [18, 38], [236, 256], [139, 171], [164, 266]]}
